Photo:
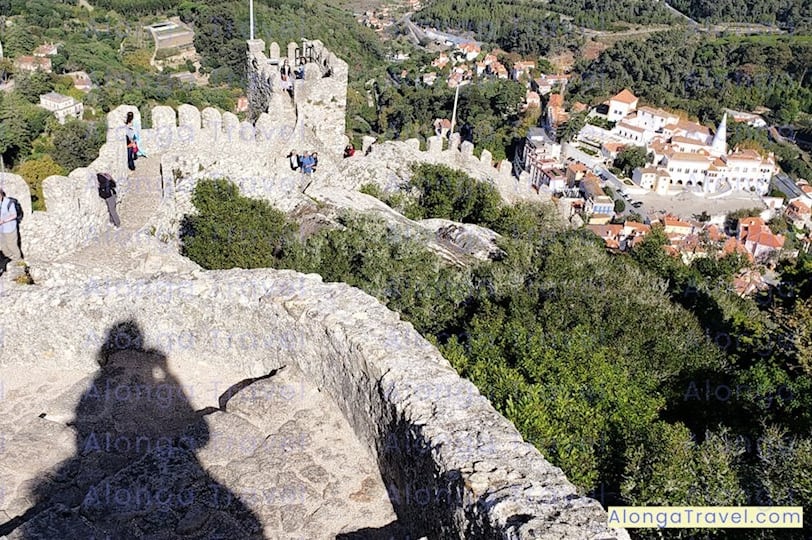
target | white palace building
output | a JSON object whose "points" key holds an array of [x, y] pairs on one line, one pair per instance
{"points": [[683, 154]]}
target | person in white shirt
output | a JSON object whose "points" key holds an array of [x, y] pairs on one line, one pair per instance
{"points": [[9, 237]]}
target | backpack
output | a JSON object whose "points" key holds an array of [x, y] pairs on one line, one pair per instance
{"points": [[106, 186], [18, 208]]}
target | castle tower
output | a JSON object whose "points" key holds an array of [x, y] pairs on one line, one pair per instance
{"points": [[719, 144], [319, 97]]}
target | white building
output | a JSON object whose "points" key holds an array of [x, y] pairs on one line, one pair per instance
{"points": [[540, 154], [684, 154], [62, 106], [621, 105]]}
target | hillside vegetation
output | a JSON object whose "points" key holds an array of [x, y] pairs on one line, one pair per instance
{"points": [[532, 27], [601, 362], [793, 15]]}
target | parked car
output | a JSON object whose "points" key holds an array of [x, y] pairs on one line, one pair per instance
{"points": [[637, 204]]}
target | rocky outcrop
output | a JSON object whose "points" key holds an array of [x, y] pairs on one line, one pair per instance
{"points": [[478, 242]]}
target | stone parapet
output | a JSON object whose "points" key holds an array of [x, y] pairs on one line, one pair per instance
{"points": [[454, 467]]}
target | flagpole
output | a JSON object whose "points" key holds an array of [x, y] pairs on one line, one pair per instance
{"points": [[251, 9], [454, 113]]}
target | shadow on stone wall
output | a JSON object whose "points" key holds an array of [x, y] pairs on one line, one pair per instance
{"points": [[135, 473]]}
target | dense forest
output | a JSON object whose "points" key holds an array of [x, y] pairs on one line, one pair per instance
{"points": [[530, 27], [792, 15], [703, 72], [408, 109], [647, 381], [523, 26]]}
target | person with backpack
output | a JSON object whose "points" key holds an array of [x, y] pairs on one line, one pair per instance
{"points": [[107, 191], [10, 218]]}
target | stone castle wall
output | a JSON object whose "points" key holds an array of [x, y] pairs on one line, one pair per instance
{"points": [[194, 144], [75, 215], [455, 468]]}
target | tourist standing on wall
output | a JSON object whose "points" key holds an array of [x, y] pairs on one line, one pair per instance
{"points": [[308, 164], [132, 150], [315, 160], [294, 160], [285, 70], [107, 191], [9, 233], [287, 85]]}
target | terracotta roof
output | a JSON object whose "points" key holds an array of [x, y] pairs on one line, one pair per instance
{"points": [[714, 233], [637, 226], [578, 107], [625, 96], [763, 236], [732, 245], [670, 221], [688, 140], [606, 231], [613, 146], [687, 125], [688, 156], [748, 222], [745, 155], [443, 122], [799, 207], [656, 112], [577, 167], [556, 100]]}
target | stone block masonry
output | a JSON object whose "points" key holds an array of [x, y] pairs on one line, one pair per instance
{"points": [[453, 466]]}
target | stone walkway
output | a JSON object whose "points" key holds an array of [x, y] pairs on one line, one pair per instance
{"points": [[141, 198]]}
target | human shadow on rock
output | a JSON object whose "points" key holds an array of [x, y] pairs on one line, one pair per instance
{"points": [[135, 473]]}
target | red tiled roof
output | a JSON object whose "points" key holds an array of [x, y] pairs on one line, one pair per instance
{"points": [[799, 207], [625, 96]]}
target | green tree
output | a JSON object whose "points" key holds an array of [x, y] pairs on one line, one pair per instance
{"points": [[620, 206], [77, 143], [34, 171], [575, 124], [32, 86], [231, 231], [631, 158]]}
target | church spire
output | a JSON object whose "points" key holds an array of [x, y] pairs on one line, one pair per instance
{"points": [[719, 144]]}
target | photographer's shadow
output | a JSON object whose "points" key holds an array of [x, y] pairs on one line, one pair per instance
{"points": [[135, 473]]}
